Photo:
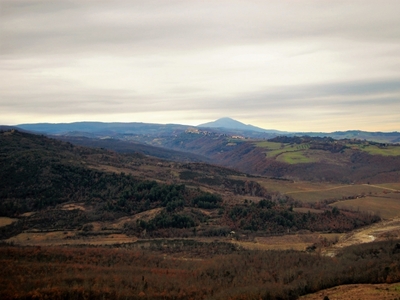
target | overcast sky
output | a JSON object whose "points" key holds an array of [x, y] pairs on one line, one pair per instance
{"points": [[297, 65]]}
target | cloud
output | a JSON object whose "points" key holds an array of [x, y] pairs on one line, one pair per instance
{"points": [[101, 26], [301, 61]]}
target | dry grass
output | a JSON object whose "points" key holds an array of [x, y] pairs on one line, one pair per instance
{"points": [[386, 207], [145, 216], [334, 192], [28, 214], [289, 187], [331, 237], [311, 192], [393, 185], [381, 231], [286, 242], [4, 221], [73, 206], [358, 291], [67, 238]]}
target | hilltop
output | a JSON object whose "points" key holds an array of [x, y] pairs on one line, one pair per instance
{"points": [[229, 123]]}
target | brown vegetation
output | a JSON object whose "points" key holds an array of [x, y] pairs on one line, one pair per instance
{"points": [[64, 194], [169, 272], [358, 291]]}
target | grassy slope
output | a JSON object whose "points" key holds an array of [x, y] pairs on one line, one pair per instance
{"points": [[300, 153], [358, 291], [389, 150], [387, 206]]}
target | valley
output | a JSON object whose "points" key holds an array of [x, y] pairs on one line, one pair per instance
{"points": [[257, 200]]}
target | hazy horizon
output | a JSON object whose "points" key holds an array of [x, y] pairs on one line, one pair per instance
{"points": [[299, 66], [196, 125]]}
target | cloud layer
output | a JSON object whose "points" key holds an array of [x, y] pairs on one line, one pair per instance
{"points": [[290, 65]]}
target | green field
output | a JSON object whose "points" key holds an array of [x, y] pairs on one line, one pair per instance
{"points": [[288, 153], [392, 150], [296, 157], [269, 145], [292, 153]]}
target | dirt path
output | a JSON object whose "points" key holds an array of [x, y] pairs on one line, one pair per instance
{"points": [[381, 187], [380, 231]]}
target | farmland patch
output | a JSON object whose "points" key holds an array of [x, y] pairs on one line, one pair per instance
{"points": [[386, 207], [333, 192], [295, 157], [391, 150]]}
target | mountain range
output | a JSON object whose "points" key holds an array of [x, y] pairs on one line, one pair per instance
{"points": [[346, 157], [225, 125]]}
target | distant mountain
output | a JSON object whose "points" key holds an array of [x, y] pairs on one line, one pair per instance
{"points": [[135, 129], [102, 129], [230, 123], [147, 132]]}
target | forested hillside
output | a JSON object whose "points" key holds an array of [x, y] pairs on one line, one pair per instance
{"points": [[40, 175]]}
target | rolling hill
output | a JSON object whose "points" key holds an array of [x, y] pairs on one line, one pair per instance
{"points": [[294, 158], [38, 173], [80, 222], [312, 157]]}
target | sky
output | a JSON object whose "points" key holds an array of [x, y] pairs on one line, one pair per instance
{"points": [[294, 65]]}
